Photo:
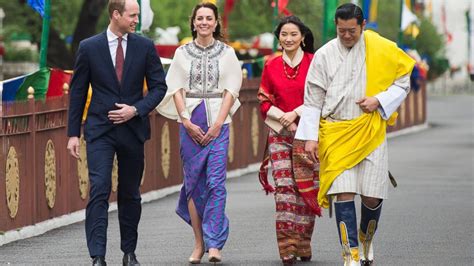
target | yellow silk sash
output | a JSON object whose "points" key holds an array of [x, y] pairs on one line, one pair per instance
{"points": [[344, 144]]}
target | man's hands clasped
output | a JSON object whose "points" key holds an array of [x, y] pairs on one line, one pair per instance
{"points": [[122, 114]]}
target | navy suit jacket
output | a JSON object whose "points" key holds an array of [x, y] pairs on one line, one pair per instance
{"points": [[94, 66]]}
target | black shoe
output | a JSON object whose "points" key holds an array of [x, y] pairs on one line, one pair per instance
{"points": [[99, 261], [130, 259], [305, 258], [366, 262]]}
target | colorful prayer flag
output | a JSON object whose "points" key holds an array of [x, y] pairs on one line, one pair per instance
{"points": [[57, 80], [37, 5], [282, 4], [329, 26], [449, 36], [39, 81], [282, 7], [407, 17], [369, 8], [10, 87], [228, 6]]}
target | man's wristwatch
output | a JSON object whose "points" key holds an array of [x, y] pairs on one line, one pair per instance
{"points": [[135, 111]]}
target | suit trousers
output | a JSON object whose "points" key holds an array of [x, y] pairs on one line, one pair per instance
{"points": [[120, 141]]}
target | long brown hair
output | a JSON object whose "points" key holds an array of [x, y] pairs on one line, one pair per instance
{"points": [[217, 33]]}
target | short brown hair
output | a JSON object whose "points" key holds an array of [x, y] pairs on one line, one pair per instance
{"points": [[118, 5]]}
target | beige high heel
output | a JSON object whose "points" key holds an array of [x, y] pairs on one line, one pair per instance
{"points": [[196, 260], [215, 258]]}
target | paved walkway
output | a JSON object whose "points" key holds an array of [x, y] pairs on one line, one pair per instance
{"points": [[428, 219]]}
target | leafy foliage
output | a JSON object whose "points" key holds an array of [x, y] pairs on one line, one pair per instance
{"points": [[14, 54], [388, 19], [20, 18], [169, 13], [249, 18]]}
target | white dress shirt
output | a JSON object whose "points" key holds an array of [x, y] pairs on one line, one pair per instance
{"points": [[113, 43]]}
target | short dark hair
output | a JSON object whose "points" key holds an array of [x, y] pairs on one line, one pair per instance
{"points": [[349, 11], [118, 5], [217, 33], [308, 45]]}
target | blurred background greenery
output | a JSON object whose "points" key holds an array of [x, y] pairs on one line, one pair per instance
{"points": [[74, 20]]}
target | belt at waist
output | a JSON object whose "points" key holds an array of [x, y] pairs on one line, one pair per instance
{"points": [[203, 95]]}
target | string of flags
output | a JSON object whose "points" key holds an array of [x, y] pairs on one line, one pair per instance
{"points": [[46, 82]]}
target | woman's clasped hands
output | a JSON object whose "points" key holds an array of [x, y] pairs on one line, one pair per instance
{"points": [[288, 121], [199, 136]]}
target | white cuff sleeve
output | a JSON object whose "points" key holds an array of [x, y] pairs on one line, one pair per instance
{"points": [[390, 100], [308, 128], [299, 110]]}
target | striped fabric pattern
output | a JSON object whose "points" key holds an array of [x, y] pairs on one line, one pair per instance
{"points": [[294, 219], [370, 177]]}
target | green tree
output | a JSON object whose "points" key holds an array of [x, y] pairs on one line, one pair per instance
{"points": [[70, 20], [311, 13], [250, 18], [169, 14], [388, 19], [75, 20]]}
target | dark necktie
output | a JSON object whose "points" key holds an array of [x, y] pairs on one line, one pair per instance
{"points": [[119, 60]]}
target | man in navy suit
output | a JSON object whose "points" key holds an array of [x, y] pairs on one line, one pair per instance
{"points": [[115, 63]]}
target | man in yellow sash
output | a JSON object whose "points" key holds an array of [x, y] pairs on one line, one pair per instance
{"points": [[354, 85]]}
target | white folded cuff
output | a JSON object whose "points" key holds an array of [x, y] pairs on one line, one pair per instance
{"points": [[390, 100], [299, 110], [308, 128]]}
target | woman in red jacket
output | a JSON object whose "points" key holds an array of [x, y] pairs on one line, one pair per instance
{"points": [[295, 177]]}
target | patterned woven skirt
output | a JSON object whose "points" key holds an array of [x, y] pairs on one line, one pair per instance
{"points": [[205, 171], [294, 218]]}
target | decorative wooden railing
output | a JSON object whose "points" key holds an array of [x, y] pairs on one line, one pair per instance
{"points": [[40, 181]]}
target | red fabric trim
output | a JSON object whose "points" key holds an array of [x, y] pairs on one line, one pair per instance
{"points": [[263, 173], [304, 168]]}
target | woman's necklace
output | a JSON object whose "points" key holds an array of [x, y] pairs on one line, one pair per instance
{"points": [[209, 43], [286, 72]]}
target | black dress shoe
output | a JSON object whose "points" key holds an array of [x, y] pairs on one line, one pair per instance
{"points": [[99, 261], [130, 259], [305, 258], [366, 262]]}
